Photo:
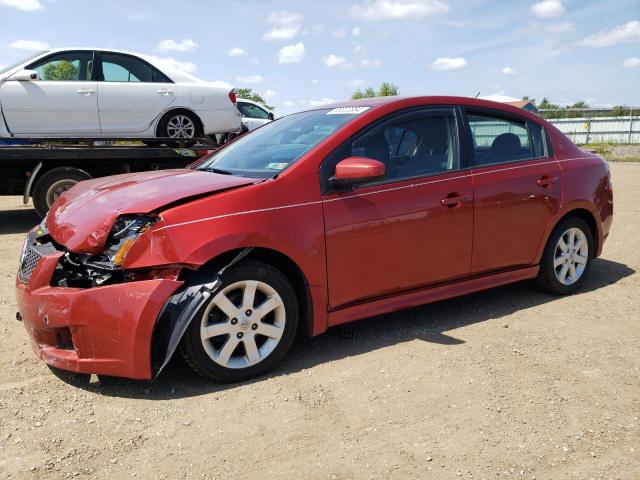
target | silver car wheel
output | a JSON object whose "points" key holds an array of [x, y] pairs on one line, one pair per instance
{"points": [[243, 324], [57, 189], [181, 126], [571, 256]]}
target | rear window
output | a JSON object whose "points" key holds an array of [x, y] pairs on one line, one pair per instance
{"points": [[500, 140]]}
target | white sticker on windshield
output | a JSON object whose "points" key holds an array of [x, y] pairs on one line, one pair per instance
{"points": [[277, 166], [347, 110]]}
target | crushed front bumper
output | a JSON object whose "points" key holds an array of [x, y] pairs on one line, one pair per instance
{"points": [[104, 330]]}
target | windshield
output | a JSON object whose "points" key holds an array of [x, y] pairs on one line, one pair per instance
{"points": [[24, 60], [272, 148]]}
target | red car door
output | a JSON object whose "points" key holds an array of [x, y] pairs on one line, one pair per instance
{"points": [[517, 190], [410, 230]]}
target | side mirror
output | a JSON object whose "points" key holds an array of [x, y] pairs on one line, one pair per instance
{"points": [[271, 116], [25, 75], [353, 170]]}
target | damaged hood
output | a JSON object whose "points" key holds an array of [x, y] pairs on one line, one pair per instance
{"points": [[82, 218]]}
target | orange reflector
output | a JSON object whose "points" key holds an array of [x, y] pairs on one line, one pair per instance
{"points": [[118, 258]]}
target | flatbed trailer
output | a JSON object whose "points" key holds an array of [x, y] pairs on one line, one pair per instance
{"points": [[44, 168]]}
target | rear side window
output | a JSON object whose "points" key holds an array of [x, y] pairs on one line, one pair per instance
{"points": [[536, 139], [500, 140], [126, 68], [249, 110]]}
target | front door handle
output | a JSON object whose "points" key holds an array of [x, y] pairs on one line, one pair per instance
{"points": [[165, 92], [85, 91], [547, 180], [453, 199]]}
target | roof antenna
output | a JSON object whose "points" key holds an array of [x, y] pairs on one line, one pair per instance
{"points": [[477, 95]]}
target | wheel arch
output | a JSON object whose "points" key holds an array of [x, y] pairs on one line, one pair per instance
{"points": [[162, 330], [582, 212], [175, 109]]}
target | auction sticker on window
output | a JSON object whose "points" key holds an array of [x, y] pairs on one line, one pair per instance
{"points": [[277, 166], [347, 110]]}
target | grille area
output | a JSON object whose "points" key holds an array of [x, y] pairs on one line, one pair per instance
{"points": [[29, 262], [32, 252]]}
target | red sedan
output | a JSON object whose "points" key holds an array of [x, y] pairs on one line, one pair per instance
{"points": [[317, 219]]}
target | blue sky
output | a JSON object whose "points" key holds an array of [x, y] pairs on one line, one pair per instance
{"points": [[298, 54]]}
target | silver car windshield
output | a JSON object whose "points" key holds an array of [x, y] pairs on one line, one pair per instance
{"points": [[24, 60], [269, 150]]}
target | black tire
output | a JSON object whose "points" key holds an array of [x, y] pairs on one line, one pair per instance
{"points": [[193, 350], [52, 184], [547, 280], [163, 129]]}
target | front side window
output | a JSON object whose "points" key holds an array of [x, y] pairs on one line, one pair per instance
{"points": [[500, 140], [249, 110], [65, 66], [125, 68], [410, 145], [269, 150]]}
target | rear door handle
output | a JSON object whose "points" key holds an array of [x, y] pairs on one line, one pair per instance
{"points": [[85, 91], [547, 180], [454, 199], [165, 92]]}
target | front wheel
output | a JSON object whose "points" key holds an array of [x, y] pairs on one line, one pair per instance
{"points": [[567, 258], [247, 326]]}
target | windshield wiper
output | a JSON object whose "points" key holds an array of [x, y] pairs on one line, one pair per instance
{"points": [[218, 170]]}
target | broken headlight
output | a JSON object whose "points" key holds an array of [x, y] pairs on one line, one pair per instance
{"points": [[125, 231]]}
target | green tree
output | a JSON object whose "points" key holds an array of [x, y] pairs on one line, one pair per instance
{"points": [[62, 70], [249, 94], [386, 90], [580, 104]]}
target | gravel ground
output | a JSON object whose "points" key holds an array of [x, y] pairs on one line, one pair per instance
{"points": [[505, 383]]}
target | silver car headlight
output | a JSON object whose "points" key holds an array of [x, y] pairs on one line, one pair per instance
{"points": [[125, 231]]}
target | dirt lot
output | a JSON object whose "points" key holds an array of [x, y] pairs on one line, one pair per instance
{"points": [[506, 383]]}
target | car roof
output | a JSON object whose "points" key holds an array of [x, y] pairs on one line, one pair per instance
{"points": [[176, 75], [407, 101]]}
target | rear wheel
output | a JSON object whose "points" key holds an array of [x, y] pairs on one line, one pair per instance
{"points": [[179, 124], [567, 258], [54, 183], [247, 326]]}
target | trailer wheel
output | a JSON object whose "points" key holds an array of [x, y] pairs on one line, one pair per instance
{"points": [[54, 183]]}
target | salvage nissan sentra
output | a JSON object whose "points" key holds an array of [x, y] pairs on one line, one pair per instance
{"points": [[317, 219]]}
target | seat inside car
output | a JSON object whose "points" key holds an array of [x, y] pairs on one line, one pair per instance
{"points": [[506, 146], [372, 146], [432, 153]]}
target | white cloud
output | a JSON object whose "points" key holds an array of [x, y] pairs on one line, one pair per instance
{"points": [[370, 63], [285, 32], [378, 10], [291, 54], [2, 66], [560, 27], [446, 63], [31, 45], [499, 97], [237, 52], [250, 78], [633, 62], [287, 25], [24, 5], [269, 93], [629, 32], [283, 17], [355, 31], [173, 64], [508, 71], [322, 101], [338, 33], [548, 9], [170, 45], [289, 103], [333, 61], [355, 83], [358, 49]]}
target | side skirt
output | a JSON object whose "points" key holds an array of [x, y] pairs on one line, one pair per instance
{"points": [[429, 295]]}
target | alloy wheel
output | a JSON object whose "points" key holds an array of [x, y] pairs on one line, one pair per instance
{"points": [[243, 324], [571, 256], [181, 126]]}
